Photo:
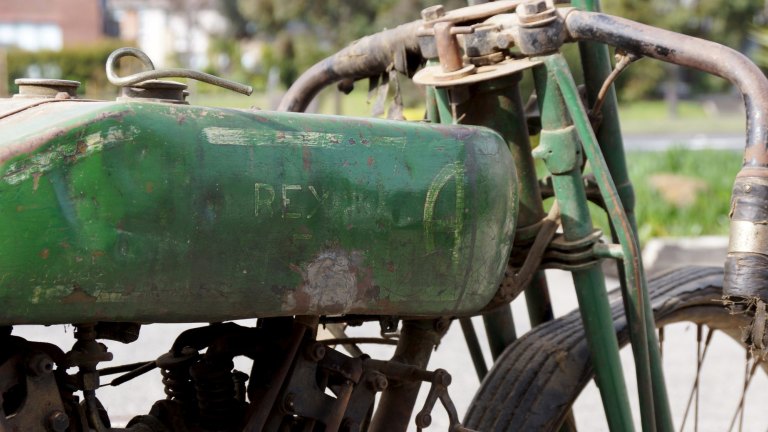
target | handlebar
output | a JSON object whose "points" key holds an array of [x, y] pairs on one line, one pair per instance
{"points": [[746, 265], [369, 56]]}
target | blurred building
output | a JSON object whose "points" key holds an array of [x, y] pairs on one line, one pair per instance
{"points": [[52, 24], [171, 32]]}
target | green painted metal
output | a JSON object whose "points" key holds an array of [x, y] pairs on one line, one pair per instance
{"points": [[589, 282], [596, 64], [637, 305], [170, 213], [498, 105], [443, 102]]}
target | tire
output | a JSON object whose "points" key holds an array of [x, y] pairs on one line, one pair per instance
{"points": [[533, 384]]}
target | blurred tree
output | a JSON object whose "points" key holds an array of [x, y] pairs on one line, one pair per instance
{"points": [[304, 31], [723, 21]]}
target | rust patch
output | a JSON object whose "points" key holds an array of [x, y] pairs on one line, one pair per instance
{"points": [[755, 156], [363, 140], [9, 152], [95, 255], [78, 296], [370, 161], [149, 187], [45, 253]]}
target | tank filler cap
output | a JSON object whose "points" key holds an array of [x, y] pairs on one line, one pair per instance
{"points": [[146, 84], [46, 88], [155, 90]]}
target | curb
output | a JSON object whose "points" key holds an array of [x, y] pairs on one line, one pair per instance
{"points": [[660, 254]]}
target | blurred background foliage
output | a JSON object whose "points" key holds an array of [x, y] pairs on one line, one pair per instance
{"points": [[291, 35]]}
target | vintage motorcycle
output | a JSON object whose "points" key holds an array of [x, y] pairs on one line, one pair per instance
{"points": [[150, 210]]}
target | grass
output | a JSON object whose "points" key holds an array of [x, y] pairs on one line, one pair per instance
{"points": [[651, 117], [707, 213]]}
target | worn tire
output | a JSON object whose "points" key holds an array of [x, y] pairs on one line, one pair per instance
{"points": [[533, 384]]}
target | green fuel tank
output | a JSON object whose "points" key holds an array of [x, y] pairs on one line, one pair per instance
{"points": [[152, 212]]}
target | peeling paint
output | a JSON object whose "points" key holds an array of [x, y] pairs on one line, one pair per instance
{"points": [[330, 282], [41, 162], [268, 137]]}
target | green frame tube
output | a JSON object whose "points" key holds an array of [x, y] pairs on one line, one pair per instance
{"points": [[564, 164], [639, 314]]}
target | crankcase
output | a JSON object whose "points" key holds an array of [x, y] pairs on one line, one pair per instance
{"points": [[149, 212]]}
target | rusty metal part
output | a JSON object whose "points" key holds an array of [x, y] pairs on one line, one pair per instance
{"points": [[483, 41], [46, 88], [359, 340], [304, 395], [517, 277], [369, 56], [487, 60], [441, 379], [268, 397], [23, 104], [448, 49], [86, 354], [414, 349], [215, 393], [540, 30], [137, 372], [687, 51], [624, 59], [478, 12], [30, 395], [428, 75], [156, 91], [154, 74], [535, 13], [432, 13], [746, 272], [373, 55]]}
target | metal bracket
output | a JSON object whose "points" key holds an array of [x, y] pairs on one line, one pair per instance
{"points": [[572, 255]]}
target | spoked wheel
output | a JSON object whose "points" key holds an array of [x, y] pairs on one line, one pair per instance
{"points": [[533, 385]]}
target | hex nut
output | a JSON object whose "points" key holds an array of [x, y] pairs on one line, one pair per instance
{"points": [[40, 364], [433, 12], [532, 7], [535, 11], [58, 421], [378, 382]]}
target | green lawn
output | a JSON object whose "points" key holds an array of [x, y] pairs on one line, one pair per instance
{"points": [[651, 117], [706, 178]]}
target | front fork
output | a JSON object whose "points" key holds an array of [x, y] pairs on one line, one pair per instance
{"points": [[566, 133], [566, 137]]}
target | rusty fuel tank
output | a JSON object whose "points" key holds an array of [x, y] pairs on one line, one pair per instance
{"points": [[150, 212]]}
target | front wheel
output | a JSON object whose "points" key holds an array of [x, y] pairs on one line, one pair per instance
{"points": [[534, 383]]}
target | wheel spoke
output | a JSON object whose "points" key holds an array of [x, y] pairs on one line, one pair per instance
{"points": [[661, 342], [698, 377], [701, 354], [749, 372]]}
